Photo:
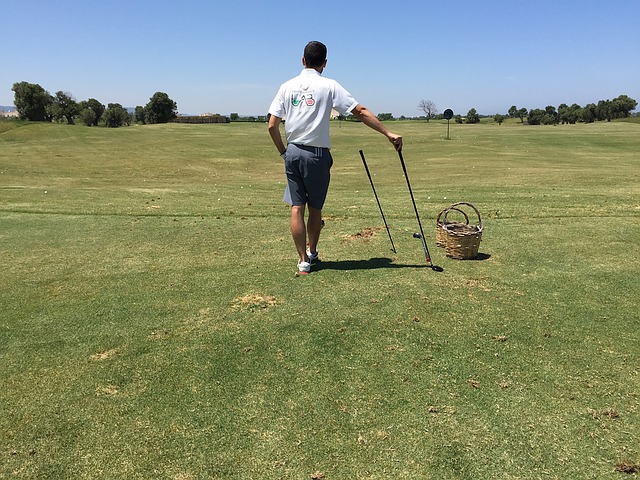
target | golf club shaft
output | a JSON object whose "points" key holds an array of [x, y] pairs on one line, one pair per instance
{"points": [[424, 241], [393, 247]]}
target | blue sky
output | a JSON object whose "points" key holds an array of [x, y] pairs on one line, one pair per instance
{"points": [[231, 56]]}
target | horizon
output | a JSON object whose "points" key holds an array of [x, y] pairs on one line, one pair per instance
{"points": [[243, 116]]}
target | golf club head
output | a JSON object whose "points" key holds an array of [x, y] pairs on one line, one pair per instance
{"points": [[417, 235], [437, 268]]}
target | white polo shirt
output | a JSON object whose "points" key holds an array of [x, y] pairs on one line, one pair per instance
{"points": [[305, 102]]}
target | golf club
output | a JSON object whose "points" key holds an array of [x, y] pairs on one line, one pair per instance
{"points": [[420, 235], [393, 247]]}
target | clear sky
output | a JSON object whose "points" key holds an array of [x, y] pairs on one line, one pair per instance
{"points": [[225, 56]]}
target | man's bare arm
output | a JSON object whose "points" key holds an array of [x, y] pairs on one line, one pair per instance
{"points": [[274, 131], [365, 115]]}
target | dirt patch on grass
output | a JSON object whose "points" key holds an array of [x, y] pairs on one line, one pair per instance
{"points": [[478, 283], [441, 410], [605, 413], [255, 301], [107, 390], [159, 334], [104, 355], [628, 467], [365, 234], [183, 476]]}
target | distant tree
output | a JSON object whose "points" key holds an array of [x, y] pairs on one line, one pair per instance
{"points": [[498, 118], [514, 112], [550, 116], [429, 108], [574, 113], [604, 110], [472, 116], [96, 107], [160, 109], [458, 118], [64, 107], [87, 116], [522, 113], [234, 117], [588, 113], [116, 115], [140, 115], [32, 101], [535, 116], [569, 114], [622, 106], [385, 116], [563, 113]]}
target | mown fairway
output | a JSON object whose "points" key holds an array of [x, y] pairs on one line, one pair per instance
{"points": [[151, 325]]}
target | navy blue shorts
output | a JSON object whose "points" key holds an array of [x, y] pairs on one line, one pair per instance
{"points": [[308, 175]]}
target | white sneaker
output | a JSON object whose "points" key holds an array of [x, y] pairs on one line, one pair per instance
{"points": [[304, 268], [313, 257]]}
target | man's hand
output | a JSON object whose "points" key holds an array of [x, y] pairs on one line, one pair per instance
{"points": [[396, 140]]}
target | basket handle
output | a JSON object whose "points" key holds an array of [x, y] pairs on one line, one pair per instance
{"points": [[446, 212], [474, 209]]}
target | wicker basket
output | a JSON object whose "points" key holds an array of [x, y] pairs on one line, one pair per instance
{"points": [[462, 241], [441, 239]]}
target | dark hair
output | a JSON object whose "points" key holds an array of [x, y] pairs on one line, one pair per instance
{"points": [[315, 53]]}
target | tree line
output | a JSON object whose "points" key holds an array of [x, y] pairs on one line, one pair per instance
{"points": [[604, 110], [619, 107], [36, 104]]}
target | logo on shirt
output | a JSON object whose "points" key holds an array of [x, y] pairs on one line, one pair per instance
{"points": [[299, 98]]}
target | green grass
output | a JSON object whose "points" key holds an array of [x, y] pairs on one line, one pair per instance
{"points": [[151, 325]]}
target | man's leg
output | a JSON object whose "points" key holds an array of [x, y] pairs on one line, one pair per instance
{"points": [[313, 228], [298, 231]]}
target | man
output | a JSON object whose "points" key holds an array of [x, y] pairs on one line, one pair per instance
{"points": [[305, 102]]}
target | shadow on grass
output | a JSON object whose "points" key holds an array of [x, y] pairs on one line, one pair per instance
{"points": [[480, 257], [376, 263], [371, 264]]}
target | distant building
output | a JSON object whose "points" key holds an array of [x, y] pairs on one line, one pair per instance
{"points": [[9, 112]]}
